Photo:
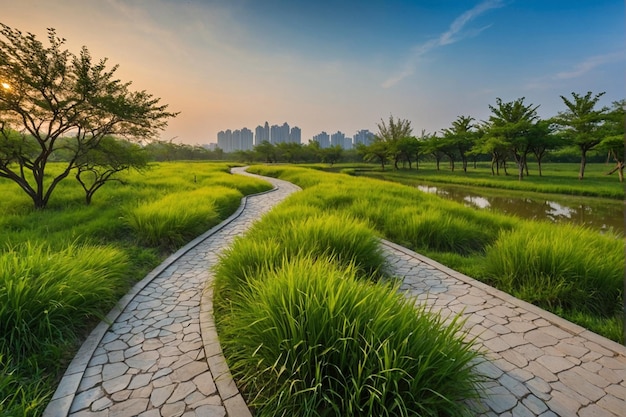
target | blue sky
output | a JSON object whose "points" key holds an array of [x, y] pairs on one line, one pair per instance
{"points": [[342, 65]]}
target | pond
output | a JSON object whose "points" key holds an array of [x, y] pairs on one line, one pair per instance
{"points": [[598, 213]]}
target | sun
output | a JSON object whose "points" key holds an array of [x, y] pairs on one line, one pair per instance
{"points": [[6, 86]]}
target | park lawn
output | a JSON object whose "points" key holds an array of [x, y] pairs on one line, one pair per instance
{"points": [[63, 268], [556, 178]]}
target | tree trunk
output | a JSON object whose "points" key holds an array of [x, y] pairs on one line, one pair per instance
{"points": [[583, 163]]}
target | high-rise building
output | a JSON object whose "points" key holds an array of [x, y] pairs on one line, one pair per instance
{"points": [[225, 140], [246, 139], [364, 137], [295, 136], [262, 133], [279, 134], [337, 139], [323, 139]]}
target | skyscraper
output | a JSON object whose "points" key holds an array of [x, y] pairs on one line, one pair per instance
{"points": [[295, 136]]}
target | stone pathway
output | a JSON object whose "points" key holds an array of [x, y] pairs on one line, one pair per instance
{"points": [[161, 357], [537, 364]]}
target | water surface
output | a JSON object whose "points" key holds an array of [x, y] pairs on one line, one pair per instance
{"points": [[599, 213]]}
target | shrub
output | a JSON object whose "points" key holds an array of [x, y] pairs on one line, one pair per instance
{"points": [[44, 294], [179, 217], [310, 338], [288, 232], [543, 263]]}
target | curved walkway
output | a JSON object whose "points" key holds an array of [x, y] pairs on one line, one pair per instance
{"points": [[160, 355]]}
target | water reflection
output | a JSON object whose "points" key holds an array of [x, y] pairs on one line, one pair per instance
{"points": [[597, 213]]}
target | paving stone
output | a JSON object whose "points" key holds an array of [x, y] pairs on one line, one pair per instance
{"points": [[182, 390], [84, 399], [140, 380], [113, 370], [116, 384], [189, 371], [160, 395], [173, 410], [554, 363], [130, 407]]}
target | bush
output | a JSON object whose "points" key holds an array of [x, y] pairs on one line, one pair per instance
{"points": [[291, 231], [543, 263], [45, 294], [310, 338], [179, 217]]}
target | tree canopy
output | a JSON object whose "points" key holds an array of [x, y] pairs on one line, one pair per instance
{"points": [[53, 101]]}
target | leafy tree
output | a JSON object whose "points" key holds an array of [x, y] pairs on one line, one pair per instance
{"points": [[461, 137], [512, 123], [332, 155], [493, 146], [290, 152], [46, 94], [266, 151], [613, 142], [392, 134], [542, 139], [99, 166], [408, 149], [434, 146], [378, 150], [582, 124]]}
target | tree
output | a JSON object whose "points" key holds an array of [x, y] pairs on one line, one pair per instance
{"points": [[266, 151], [408, 149], [493, 146], [332, 155], [613, 142], [49, 96], [434, 145], [99, 166], [392, 134], [461, 137], [543, 139], [512, 123], [378, 150], [582, 124]]}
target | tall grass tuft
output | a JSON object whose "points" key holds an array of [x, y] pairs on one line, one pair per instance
{"points": [[544, 264], [311, 338], [44, 294], [177, 218], [291, 231]]}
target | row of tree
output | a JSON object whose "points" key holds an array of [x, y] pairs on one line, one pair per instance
{"points": [[513, 132]]}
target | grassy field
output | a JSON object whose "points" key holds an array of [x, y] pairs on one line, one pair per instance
{"points": [[572, 271], [557, 178], [63, 268]]}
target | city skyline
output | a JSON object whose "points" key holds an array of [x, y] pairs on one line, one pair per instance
{"points": [[230, 140], [346, 65]]}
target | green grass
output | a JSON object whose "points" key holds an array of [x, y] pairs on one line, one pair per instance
{"points": [[566, 269], [312, 337], [63, 268], [291, 231], [178, 217], [545, 264], [557, 178]]}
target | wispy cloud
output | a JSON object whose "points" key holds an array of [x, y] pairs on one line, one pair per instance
{"points": [[589, 64], [454, 34]]}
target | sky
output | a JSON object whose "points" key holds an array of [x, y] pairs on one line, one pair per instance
{"points": [[342, 65]]}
